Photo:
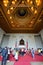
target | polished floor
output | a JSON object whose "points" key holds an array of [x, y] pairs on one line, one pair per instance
{"points": [[36, 63], [25, 60], [31, 63]]}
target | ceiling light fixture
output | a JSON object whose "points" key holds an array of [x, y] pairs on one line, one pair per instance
{"points": [[8, 12], [13, 2], [12, 22], [10, 17], [32, 8], [31, 22], [38, 2], [5, 5], [22, 2], [35, 12], [11, 8], [31, 2], [28, 1], [5, 2]]}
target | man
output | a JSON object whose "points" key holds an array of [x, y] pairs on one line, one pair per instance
{"points": [[4, 55], [0, 50], [32, 52]]}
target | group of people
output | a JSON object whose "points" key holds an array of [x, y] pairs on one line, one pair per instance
{"points": [[5, 53]]}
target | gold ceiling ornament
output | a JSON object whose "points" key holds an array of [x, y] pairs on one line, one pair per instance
{"points": [[31, 2], [8, 12], [22, 2], [5, 5], [31, 22], [20, 18], [12, 22], [30, 25], [38, 2], [35, 12], [5, 2], [28, 1], [32, 8], [11, 8], [10, 17], [13, 25], [13, 2]]}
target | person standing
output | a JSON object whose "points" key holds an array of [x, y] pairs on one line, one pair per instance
{"points": [[32, 52], [4, 55], [16, 55], [8, 54], [0, 50]]}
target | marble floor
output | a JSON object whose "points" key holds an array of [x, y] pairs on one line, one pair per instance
{"points": [[9, 63], [36, 63], [31, 63]]}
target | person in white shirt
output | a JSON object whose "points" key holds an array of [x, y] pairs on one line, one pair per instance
{"points": [[16, 55], [13, 52], [8, 54]]}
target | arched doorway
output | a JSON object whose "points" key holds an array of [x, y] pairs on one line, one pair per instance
{"points": [[21, 42]]}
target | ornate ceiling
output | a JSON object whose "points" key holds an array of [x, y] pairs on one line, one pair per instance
{"points": [[21, 16]]}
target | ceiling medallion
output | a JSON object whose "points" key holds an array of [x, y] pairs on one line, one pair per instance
{"points": [[21, 15], [22, 12]]}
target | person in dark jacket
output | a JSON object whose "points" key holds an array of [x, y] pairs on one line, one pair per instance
{"points": [[0, 50], [33, 53], [4, 55]]}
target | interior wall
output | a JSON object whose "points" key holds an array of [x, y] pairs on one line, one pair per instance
{"points": [[11, 39], [28, 38], [41, 33], [38, 41], [1, 35], [5, 41]]}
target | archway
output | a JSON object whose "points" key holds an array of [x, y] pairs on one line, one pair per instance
{"points": [[21, 42]]}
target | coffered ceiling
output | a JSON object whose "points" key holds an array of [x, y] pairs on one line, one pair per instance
{"points": [[21, 16]]}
